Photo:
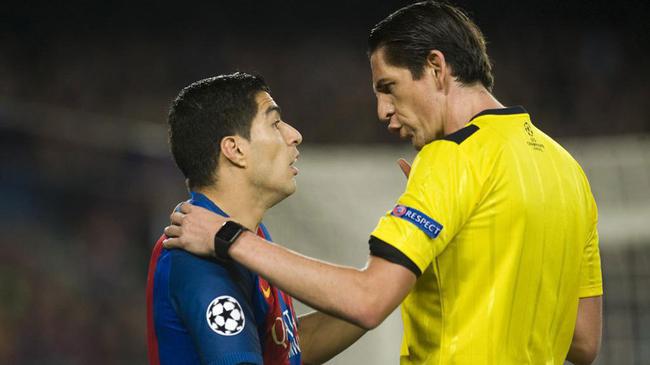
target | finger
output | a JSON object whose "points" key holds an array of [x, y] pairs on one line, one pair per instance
{"points": [[185, 207], [405, 166], [172, 242], [178, 207], [177, 218], [173, 231]]}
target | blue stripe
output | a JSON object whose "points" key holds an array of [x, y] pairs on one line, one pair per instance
{"points": [[175, 344], [267, 235]]}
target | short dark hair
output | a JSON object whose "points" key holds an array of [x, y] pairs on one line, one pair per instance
{"points": [[203, 114], [410, 33]]}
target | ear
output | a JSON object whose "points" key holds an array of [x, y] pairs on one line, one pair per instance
{"points": [[234, 149], [437, 66]]}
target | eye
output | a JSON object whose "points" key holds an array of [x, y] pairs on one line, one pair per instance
{"points": [[386, 88], [276, 124]]}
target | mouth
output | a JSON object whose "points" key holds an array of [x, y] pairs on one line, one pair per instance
{"points": [[294, 168]]}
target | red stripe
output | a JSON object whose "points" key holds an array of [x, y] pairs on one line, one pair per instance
{"points": [[152, 340], [260, 232]]}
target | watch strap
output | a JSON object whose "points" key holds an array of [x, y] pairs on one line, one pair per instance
{"points": [[225, 237]]}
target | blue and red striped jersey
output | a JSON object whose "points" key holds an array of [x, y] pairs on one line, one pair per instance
{"points": [[203, 311]]}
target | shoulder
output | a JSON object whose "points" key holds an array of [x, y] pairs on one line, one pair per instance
{"points": [[452, 153], [189, 273], [465, 141], [196, 284], [183, 262], [462, 134]]}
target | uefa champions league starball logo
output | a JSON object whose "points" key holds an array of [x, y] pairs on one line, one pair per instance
{"points": [[399, 210], [528, 129], [225, 316]]}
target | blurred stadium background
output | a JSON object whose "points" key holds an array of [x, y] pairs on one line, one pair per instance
{"points": [[87, 181]]}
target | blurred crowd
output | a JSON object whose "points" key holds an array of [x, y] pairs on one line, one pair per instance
{"points": [[77, 235], [575, 79]]}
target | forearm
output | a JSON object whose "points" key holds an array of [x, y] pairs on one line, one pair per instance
{"points": [[588, 331], [322, 336], [341, 291], [578, 356], [363, 297]]}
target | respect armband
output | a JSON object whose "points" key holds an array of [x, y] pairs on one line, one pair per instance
{"points": [[425, 223]]}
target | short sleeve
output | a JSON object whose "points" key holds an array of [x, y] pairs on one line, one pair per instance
{"points": [[591, 282], [215, 310], [442, 191]]}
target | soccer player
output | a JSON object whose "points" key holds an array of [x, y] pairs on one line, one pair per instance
{"points": [[237, 154], [492, 249]]}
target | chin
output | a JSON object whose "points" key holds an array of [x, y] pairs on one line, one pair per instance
{"points": [[418, 146], [291, 188], [284, 193]]}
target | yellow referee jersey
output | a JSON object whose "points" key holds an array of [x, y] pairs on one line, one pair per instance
{"points": [[499, 222]]}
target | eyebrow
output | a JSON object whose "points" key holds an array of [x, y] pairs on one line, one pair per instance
{"points": [[272, 109]]}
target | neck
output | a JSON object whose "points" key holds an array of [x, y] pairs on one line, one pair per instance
{"points": [[239, 203], [464, 102]]}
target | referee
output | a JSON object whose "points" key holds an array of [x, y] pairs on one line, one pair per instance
{"points": [[492, 249]]}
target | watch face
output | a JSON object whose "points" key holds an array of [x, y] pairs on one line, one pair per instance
{"points": [[228, 231]]}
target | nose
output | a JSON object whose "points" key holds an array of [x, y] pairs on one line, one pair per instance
{"points": [[386, 113], [385, 108], [292, 136]]}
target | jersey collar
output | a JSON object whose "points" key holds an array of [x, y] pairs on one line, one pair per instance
{"points": [[203, 201], [501, 111]]}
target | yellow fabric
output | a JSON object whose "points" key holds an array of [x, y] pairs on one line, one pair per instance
{"points": [[518, 247]]}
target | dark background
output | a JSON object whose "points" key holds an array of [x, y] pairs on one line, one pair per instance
{"points": [[579, 67], [86, 181]]}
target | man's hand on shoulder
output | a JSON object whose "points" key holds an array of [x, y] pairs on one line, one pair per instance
{"points": [[192, 229]]}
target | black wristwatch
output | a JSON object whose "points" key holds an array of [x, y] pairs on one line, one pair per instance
{"points": [[225, 237]]}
